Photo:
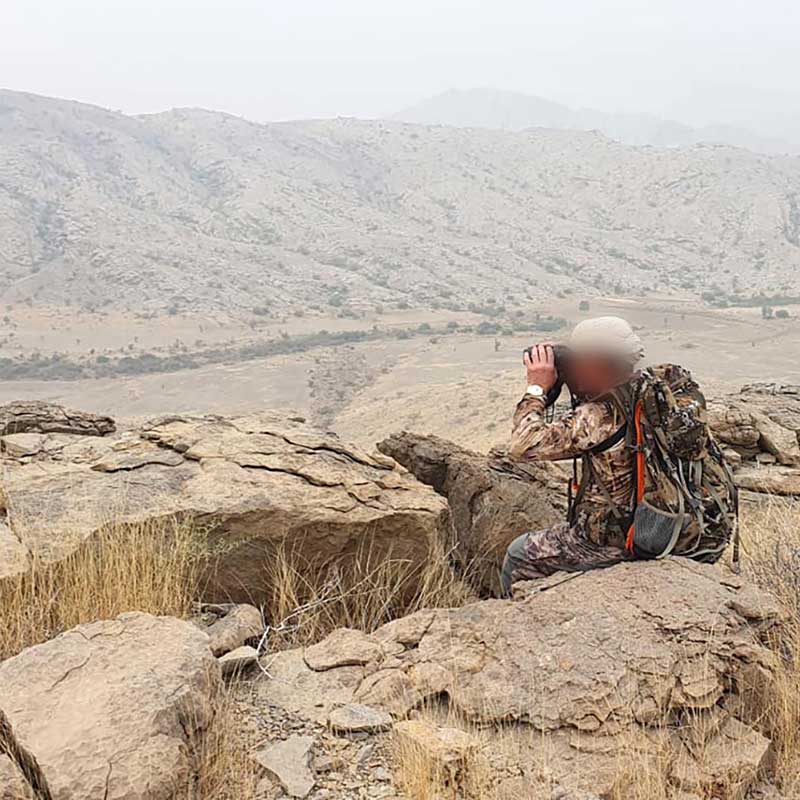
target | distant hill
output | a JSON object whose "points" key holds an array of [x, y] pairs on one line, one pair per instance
{"points": [[195, 210], [513, 111]]}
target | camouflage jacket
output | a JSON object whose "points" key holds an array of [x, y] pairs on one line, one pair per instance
{"points": [[573, 436]]}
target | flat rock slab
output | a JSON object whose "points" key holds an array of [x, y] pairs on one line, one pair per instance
{"points": [[290, 762], [254, 485], [238, 660], [343, 648], [112, 707], [358, 718]]}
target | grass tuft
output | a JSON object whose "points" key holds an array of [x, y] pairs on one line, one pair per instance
{"points": [[152, 566]]}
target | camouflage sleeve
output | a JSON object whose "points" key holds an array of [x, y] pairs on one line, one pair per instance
{"points": [[534, 439]]}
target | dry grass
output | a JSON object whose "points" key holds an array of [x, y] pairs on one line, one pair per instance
{"points": [[226, 769], [771, 532], [152, 566], [305, 606]]}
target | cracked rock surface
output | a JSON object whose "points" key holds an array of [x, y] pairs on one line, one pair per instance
{"points": [[253, 483], [112, 709], [574, 666]]}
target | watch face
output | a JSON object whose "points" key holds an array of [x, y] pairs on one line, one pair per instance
{"points": [[536, 391]]}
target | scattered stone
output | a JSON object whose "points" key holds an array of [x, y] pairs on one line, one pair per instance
{"points": [[290, 762], [240, 624], [343, 648], [238, 660], [356, 718], [324, 762], [126, 699], [365, 753]]}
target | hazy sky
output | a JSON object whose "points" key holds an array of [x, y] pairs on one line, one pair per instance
{"points": [[299, 58]]}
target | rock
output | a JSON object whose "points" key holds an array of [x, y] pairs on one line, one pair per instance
{"points": [[268, 789], [759, 420], [290, 762], [21, 777], [328, 763], [727, 766], [577, 667], [445, 746], [445, 756], [113, 706], [492, 499], [241, 623], [14, 556], [298, 689], [38, 417], [769, 479], [365, 755], [761, 424], [254, 485], [343, 648], [238, 660], [356, 718]]}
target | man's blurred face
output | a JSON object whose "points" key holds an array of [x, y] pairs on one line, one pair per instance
{"points": [[591, 375]]}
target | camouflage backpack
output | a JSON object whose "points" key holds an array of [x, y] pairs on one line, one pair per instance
{"points": [[686, 502]]}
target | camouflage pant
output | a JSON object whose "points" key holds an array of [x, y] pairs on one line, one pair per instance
{"points": [[560, 548]]}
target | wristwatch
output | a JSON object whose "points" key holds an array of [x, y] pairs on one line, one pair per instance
{"points": [[534, 390]]}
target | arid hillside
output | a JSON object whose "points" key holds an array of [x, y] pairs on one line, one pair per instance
{"points": [[192, 210]]}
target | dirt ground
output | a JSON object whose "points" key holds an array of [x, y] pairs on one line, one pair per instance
{"points": [[462, 386]]}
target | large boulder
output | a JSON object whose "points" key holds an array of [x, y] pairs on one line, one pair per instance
{"points": [[252, 483], [114, 710], [760, 429], [579, 671], [492, 499]]}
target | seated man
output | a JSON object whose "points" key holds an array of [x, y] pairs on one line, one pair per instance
{"points": [[603, 354]]}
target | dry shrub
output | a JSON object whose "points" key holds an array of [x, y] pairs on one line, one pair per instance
{"points": [[305, 605], [152, 566], [771, 537]]}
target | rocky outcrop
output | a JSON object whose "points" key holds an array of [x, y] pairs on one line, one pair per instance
{"points": [[253, 484], [760, 430], [492, 499], [580, 670], [114, 709], [37, 417]]}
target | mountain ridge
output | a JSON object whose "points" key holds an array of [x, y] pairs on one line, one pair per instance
{"points": [[492, 108], [194, 210]]}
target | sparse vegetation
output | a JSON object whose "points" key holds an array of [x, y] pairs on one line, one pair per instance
{"points": [[153, 566]]}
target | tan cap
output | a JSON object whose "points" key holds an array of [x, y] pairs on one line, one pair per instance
{"points": [[608, 336]]}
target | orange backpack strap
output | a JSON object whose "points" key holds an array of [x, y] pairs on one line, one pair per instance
{"points": [[641, 467]]}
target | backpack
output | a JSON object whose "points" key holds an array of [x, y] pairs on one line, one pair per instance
{"points": [[686, 502]]}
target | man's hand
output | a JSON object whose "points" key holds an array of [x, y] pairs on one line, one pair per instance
{"points": [[541, 367]]}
